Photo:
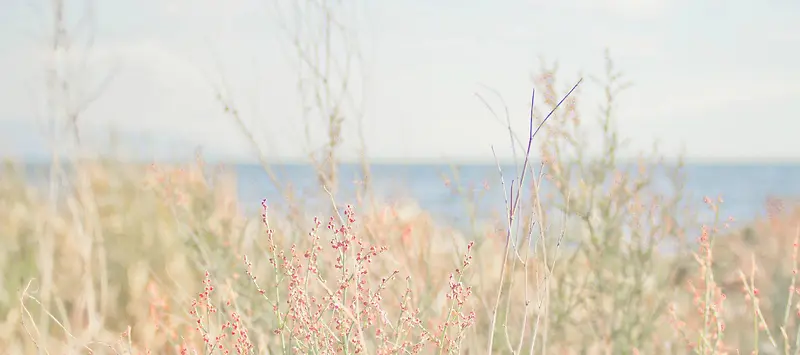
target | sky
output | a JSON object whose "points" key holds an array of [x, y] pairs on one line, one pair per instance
{"points": [[716, 80]]}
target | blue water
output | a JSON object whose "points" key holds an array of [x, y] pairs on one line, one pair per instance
{"points": [[745, 188]]}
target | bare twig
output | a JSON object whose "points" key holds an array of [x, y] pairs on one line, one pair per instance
{"points": [[515, 203]]}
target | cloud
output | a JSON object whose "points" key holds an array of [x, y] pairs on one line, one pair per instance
{"points": [[149, 54]]}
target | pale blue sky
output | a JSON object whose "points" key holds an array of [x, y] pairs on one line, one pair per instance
{"points": [[718, 77]]}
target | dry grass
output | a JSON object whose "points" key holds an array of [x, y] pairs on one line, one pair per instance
{"points": [[161, 260]]}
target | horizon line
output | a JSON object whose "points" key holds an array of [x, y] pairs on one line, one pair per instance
{"points": [[423, 161]]}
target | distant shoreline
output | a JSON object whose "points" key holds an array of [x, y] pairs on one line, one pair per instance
{"points": [[431, 162]]}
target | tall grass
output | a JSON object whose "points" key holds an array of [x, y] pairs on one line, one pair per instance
{"points": [[161, 259]]}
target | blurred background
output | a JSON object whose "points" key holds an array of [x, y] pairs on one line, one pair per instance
{"points": [[711, 82], [123, 122]]}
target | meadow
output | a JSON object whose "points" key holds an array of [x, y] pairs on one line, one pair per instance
{"points": [[161, 259]]}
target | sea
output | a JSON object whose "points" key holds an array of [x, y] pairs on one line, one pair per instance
{"points": [[445, 190]]}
